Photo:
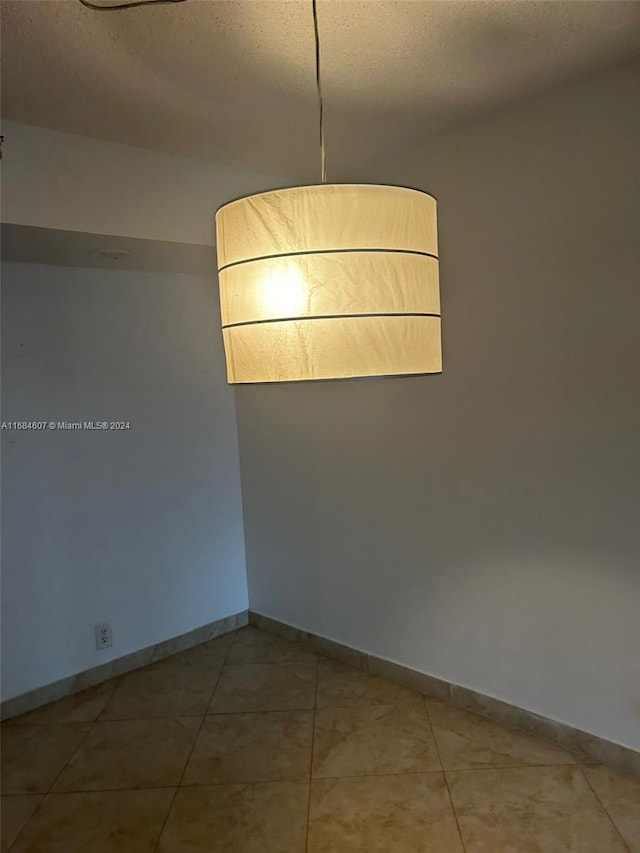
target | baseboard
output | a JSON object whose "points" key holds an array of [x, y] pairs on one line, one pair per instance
{"points": [[113, 668], [579, 742]]}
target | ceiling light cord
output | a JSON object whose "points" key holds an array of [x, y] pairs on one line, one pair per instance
{"points": [[97, 7], [323, 165], [131, 4]]}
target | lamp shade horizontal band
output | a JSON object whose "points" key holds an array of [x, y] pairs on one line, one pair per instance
{"points": [[333, 348], [326, 217], [325, 252], [359, 282]]}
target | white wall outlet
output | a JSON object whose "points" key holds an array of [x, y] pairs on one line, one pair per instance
{"points": [[104, 638]]}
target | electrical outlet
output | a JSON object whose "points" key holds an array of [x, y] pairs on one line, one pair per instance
{"points": [[104, 638]]}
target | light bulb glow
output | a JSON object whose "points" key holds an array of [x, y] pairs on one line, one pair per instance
{"points": [[282, 292]]}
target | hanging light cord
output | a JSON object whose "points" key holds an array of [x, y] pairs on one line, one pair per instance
{"points": [[323, 165], [130, 5]]}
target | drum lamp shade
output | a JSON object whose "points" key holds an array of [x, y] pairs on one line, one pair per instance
{"points": [[330, 281]]}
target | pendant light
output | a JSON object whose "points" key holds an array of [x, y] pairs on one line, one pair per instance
{"points": [[329, 281]]}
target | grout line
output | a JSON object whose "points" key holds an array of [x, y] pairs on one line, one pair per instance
{"points": [[149, 717], [113, 696], [293, 780], [210, 784], [444, 775], [193, 746], [313, 737], [22, 794], [273, 662], [177, 715], [102, 790], [490, 767], [604, 808], [43, 797], [257, 711], [381, 775], [76, 751]]}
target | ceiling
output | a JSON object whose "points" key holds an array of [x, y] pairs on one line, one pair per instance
{"points": [[233, 81]]}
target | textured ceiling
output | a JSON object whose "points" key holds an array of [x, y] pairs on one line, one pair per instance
{"points": [[232, 81]]}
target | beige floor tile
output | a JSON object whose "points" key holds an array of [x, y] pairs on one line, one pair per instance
{"points": [[131, 754], [340, 685], [373, 739], [531, 810], [269, 817], [251, 645], [265, 687], [33, 756], [382, 814], [163, 691], [14, 814], [100, 822], [466, 740], [620, 796], [274, 745], [79, 708]]}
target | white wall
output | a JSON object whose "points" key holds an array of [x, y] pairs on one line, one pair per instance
{"points": [[143, 527], [73, 183], [482, 525]]}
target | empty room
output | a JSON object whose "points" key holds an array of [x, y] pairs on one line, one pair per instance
{"points": [[320, 426]]}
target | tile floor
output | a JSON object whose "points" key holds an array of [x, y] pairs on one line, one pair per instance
{"points": [[249, 744]]}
